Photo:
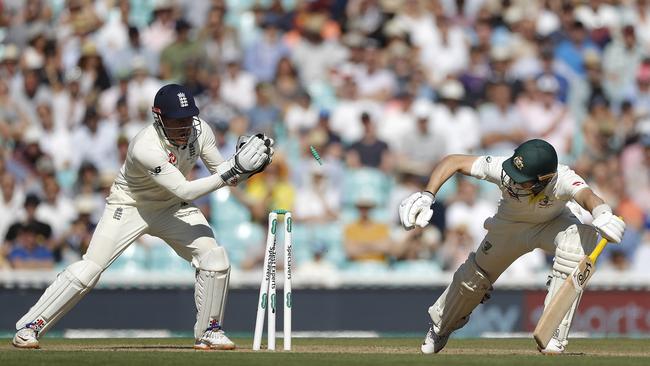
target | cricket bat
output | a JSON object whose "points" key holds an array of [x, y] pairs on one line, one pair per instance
{"points": [[566, 295]]}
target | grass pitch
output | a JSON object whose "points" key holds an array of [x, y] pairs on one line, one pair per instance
{"points": [[324, 351]]}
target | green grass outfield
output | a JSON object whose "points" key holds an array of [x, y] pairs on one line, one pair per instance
{"points": [[324, 351]]}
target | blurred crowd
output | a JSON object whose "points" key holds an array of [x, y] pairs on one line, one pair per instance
{"points": [[383, 89]]}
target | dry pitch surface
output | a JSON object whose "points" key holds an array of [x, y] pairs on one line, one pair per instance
{"points": [[324, 351]]}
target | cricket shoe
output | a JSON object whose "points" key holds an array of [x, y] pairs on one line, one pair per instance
{"points": [[26, 338], [554, 347], [214, 339], [433, 343]]}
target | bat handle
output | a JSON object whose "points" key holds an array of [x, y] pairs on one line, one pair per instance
{"points": [[597, 250]]}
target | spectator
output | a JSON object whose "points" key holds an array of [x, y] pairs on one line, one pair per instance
{"points": [[640, 14], [422, 148], [142, 87], [68, 104], [301, 114], [74, 242], [369, 151], [346, 114], [365, 239], [56, 143], [286, 83], [9, 66], [621, 59], [220, 40], [365, 17], [160, 32], [94, 77], [502, 127], [418, 244], [448, 56], [29, 217], [213, 107], [313, 56], [14, 119], [549, 119], [571, 50], [500, 64], [125, 124], [265, 115], [56, 210], [262, 56], [114, 35], [94, 142], [237, 86], [30, 92], [457, 124], [599, 130], [318, 200], [635, 164], [475, 76], [29, 252], [11, 200], [175, 57], [108, 99], [270, 190], [549, 68], [374, 81], [317, 267], [120, 61]]}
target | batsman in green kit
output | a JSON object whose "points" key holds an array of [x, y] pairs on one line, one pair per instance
{"points": [[532, 213]]}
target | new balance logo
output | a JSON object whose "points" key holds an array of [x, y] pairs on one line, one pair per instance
{"points": [[182, 99]]}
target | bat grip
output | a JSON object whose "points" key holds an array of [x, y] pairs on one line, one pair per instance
{"points": [[597, 250]]}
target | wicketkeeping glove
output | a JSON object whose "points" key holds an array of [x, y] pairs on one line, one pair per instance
{"points": [[416, 209], [253, 154], [611, 227]]}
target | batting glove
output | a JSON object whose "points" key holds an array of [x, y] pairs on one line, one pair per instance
{"points": [[611, 227], [416, 209]]}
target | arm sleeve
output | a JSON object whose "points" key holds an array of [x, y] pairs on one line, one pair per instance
{"points": [[488, 168], [569, 183], [169, 177], [209, 153]]}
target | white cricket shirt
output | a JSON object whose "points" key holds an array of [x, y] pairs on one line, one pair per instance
{"points": [[155, 171]]}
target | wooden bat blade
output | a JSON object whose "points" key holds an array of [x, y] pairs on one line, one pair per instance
{"points": [[562, 301]]}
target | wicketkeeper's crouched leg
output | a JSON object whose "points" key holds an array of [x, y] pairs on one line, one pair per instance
{"points": [[211, 289], [63, 294], [570, 248]]}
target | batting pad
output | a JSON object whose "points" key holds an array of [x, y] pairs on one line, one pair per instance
{"points": [[70, 286], [211, 290], [571, 245], [467, 289]]}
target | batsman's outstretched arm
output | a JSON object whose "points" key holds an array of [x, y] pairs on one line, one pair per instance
{"points": [[416, 208], [449, 165]]}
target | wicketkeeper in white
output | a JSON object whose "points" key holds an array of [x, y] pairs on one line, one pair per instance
{"points": [[152, 196], [532, 213]]}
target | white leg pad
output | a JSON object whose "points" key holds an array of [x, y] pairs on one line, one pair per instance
{"points": [[70, 286], [568, 253], [467, 289], [211, 290]]}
